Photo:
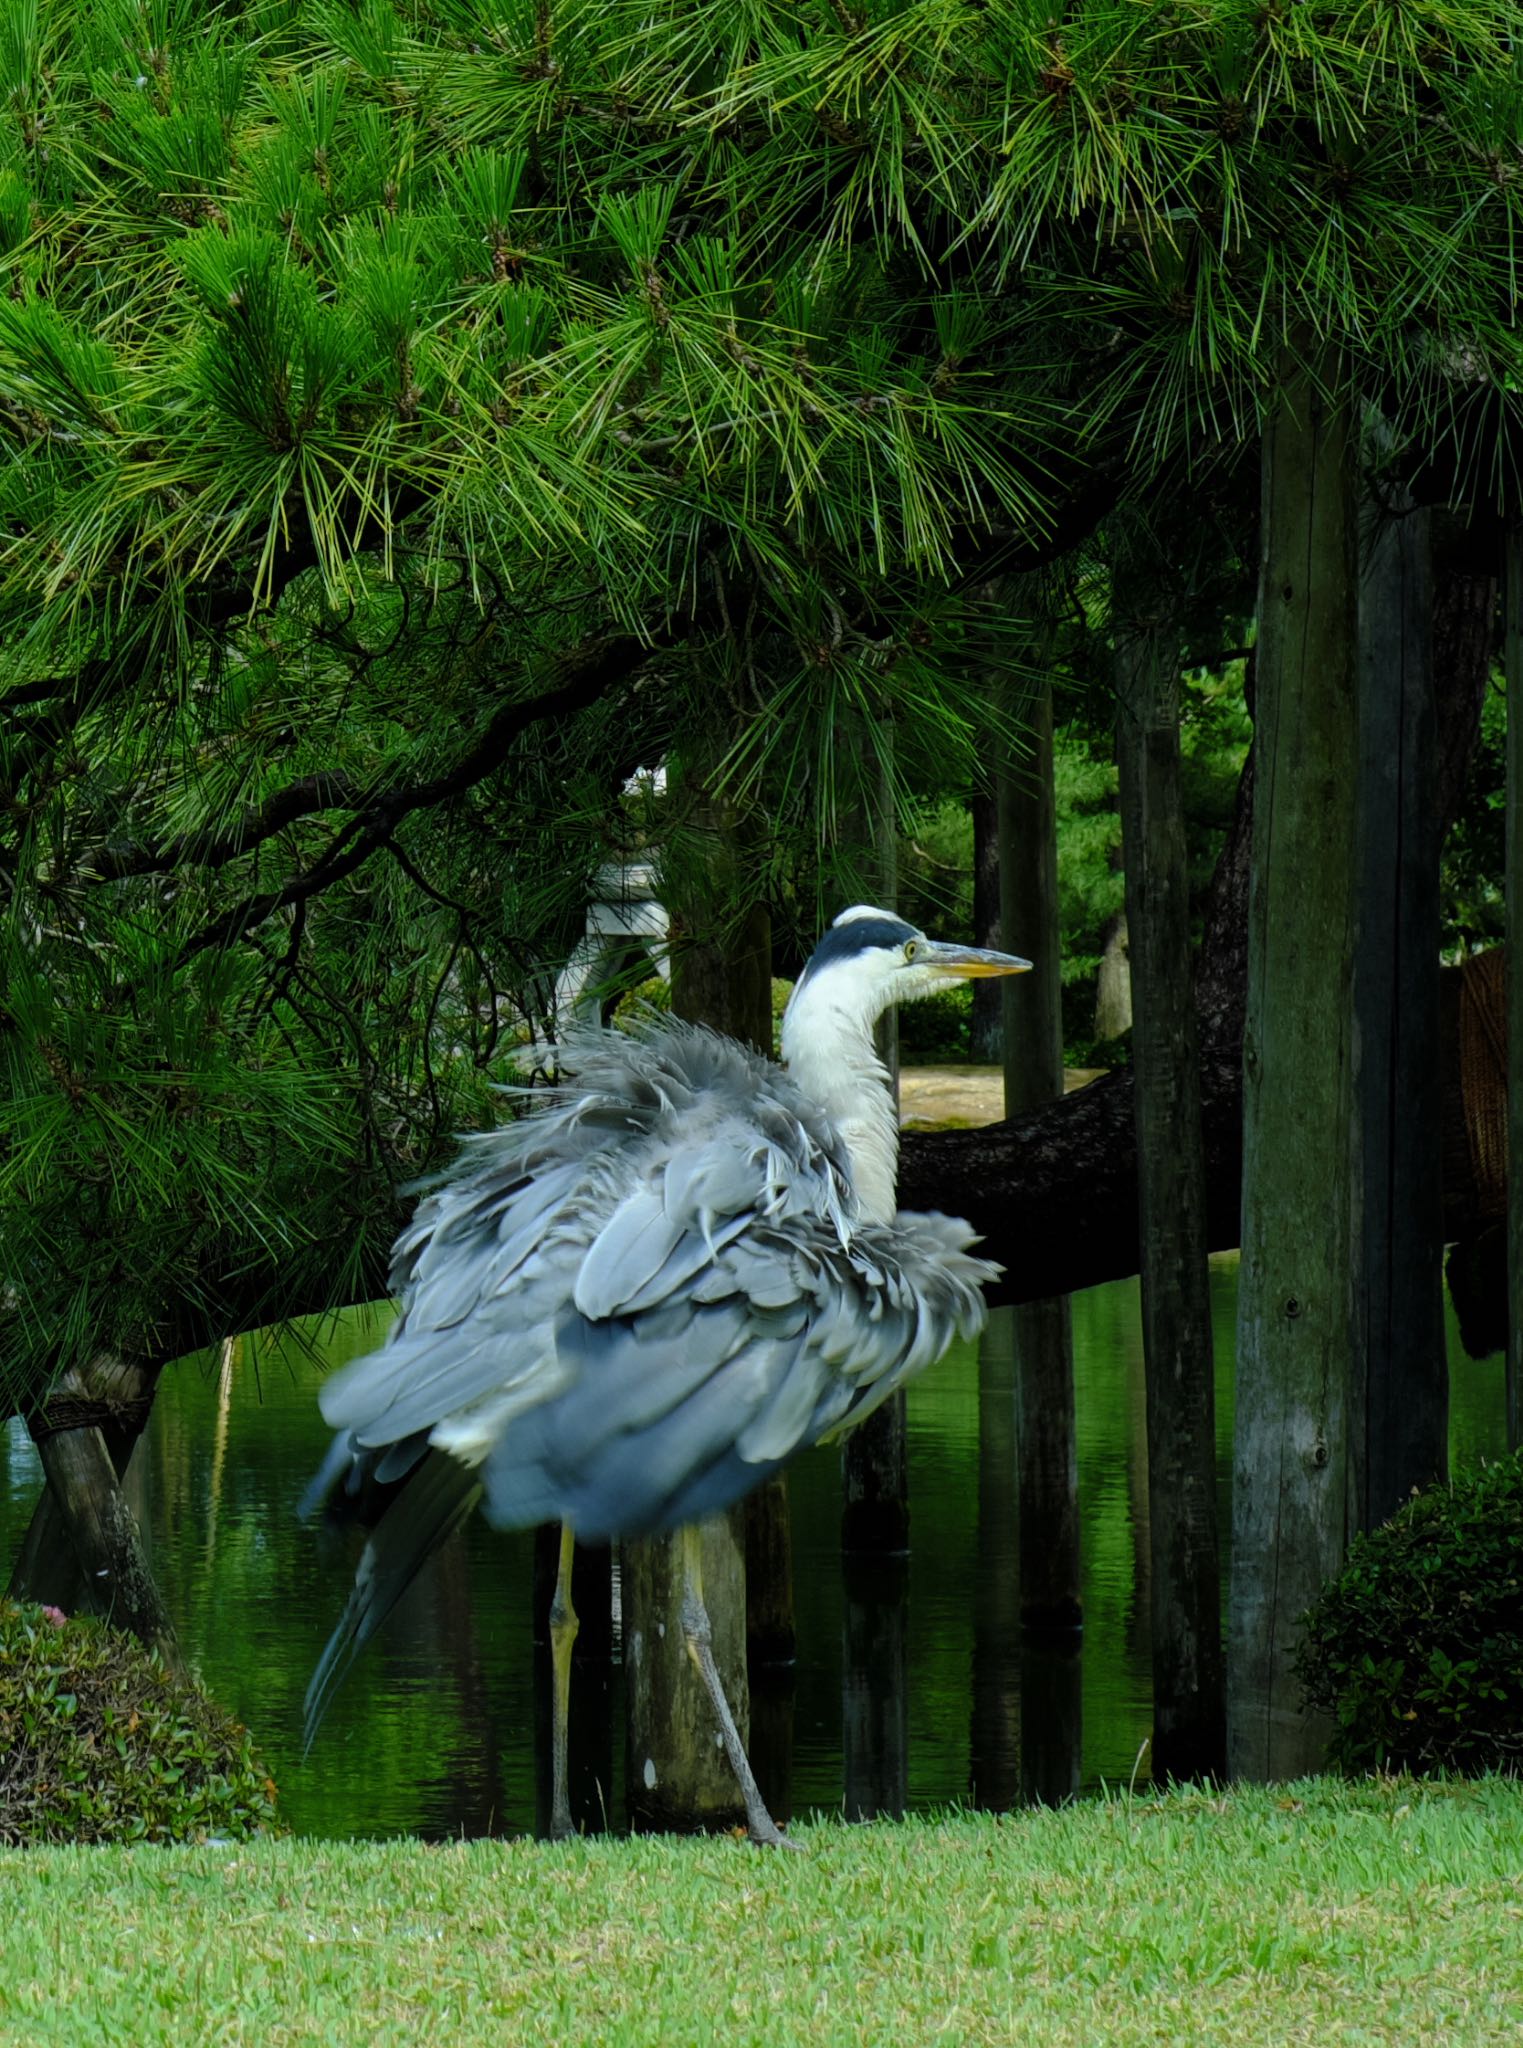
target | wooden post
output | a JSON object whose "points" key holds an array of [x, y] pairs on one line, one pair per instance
{"points": [[1513, 600], [1292, 1479], [1052, 1719], [1189, 1705], [771, 1633], [1047, 1453], [1402, 1374], [677, 1775]]}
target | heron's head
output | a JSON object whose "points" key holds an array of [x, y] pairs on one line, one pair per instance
{"points": [[871, 958]]}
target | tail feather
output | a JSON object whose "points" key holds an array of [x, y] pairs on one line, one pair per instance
{"points": [[431, 1506]]}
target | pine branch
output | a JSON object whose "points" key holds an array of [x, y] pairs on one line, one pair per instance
{"points": [[587, 673], [213, 847]]}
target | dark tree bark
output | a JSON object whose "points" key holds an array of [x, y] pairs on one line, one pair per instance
{"points": [[1189, 1709], [1401, 1374], [1295, 1430], [115, 1396], [93, 1512], [997, 1704], [1047, 1461], [986, 1032]]}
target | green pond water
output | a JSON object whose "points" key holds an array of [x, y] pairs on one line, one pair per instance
{"points": [[439, 1730]]}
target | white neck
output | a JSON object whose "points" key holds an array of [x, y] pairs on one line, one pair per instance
{"points": [[828, 1048]]}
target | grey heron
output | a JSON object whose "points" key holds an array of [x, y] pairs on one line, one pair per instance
{"points": [[636, 1301]]}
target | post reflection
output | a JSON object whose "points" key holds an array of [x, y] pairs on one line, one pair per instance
{"points": [[875, 1725], [994, 1736], [1052, 1718]]}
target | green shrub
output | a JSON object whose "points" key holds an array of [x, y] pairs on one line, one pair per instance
{"points": [[938, 1030], [1416, 1649], [99, 1743]]}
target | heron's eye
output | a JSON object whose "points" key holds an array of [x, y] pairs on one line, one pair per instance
{"points": [[910, 949]]}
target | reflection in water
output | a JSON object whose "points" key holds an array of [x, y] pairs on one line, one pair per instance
{"points": [[435, 1732], [1028, 1710], [1047, 1481], [1052, 1717], [875, 1723], [994, 1737]]}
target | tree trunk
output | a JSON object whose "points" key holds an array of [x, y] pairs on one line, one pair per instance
{"points": [[1054, 1192], [101, 1527], [1293, 1478], [116, 1397], [994, 1737], [1514, 666], [1189, 1707], [1401, 1371], [986, 1032], [1047, 1452]]}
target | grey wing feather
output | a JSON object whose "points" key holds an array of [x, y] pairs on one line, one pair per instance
{"points": [[790, 1338]]}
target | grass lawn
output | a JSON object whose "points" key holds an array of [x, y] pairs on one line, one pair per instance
{"points": [[1317, 1913]]}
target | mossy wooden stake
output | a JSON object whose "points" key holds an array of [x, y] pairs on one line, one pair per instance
{"points": [[1293, 1484], [676, 1775]]}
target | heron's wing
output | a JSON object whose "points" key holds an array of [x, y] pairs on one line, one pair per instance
{"points": [[680, 1401]]}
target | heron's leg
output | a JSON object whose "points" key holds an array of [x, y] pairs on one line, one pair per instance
{"points": [[563, 1628], [700, 1647]]}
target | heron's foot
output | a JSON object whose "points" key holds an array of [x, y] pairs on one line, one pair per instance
{"points": [[766, 1834]]}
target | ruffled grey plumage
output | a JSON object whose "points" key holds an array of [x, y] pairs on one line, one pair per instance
{"points": [[635, 1301]]}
